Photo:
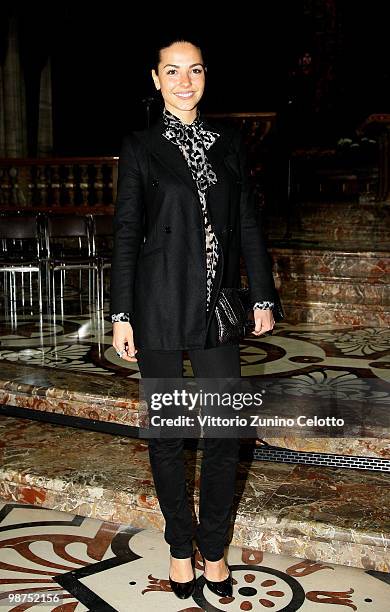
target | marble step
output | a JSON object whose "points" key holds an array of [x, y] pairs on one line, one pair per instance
{"points": [[334, 290], [333, 286], [332, 263], [350, 214], [369, 236], [368, 211], [322, 233], [323, 312], [362, 224], [95, 398], [324, 514]]}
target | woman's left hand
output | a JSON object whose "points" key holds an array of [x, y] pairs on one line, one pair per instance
{"points": [[264, 321]]}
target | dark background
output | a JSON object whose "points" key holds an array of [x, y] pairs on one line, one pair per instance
{"points": [[101, 67]]}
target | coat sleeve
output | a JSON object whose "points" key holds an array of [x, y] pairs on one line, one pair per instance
{"points": [[127, 230], [257, 260]]}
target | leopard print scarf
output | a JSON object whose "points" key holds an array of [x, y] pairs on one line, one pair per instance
{"points": [[193, 140]]}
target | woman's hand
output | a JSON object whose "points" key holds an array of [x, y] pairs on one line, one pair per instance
{"points": [[122, 334], [264, 321]]}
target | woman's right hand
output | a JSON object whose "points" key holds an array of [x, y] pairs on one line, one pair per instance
{"points": [[122, 339]]}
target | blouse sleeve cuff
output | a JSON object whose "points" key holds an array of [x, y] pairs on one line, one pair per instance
{"points": [[120, 316], [263, 305]]}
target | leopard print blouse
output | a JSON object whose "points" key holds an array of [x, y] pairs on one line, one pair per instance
{"points": [[193, 141]]}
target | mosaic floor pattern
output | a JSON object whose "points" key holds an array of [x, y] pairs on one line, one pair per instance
{"points": [[82, 343], [314, 355], [316, 512], [87, 564]]}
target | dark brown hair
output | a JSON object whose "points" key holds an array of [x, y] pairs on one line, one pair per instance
{"points": [[168, 41]]}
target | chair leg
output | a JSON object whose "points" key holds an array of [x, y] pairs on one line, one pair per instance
{"points": [[12, 283], [6, 290], [96, 285], [101, 287], [96, 272], [62, 296], [22, 288], [40, 290], [80, 290], [11, 297], [31, 289], [7, 295], [96, 288], [13, 287], [53, 274], [62, 306], [62, 282], [90, 289], [95, 297], [46, 267]]}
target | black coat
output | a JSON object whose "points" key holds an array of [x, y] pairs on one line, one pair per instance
{"points": [[158, 271]]}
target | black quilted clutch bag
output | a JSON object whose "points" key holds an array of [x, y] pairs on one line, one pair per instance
{"points": [[232, 313]]}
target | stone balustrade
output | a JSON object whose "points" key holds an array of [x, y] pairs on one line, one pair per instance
{"points": [[61, 183]]}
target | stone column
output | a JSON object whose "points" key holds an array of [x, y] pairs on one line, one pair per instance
{"points": [[13, 134], [45, 120]]}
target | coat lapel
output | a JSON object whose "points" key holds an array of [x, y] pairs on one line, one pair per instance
{"points": [[172, 158]]}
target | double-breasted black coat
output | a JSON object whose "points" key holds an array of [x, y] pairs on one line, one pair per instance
{"points": [[158, 269]]}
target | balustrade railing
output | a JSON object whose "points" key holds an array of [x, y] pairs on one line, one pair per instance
{"points": [[88, 184], [59, 183]]}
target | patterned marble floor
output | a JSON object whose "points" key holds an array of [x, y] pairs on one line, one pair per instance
{"points": [[342, 357], [82, 343], [87, 564], [318, 512]]}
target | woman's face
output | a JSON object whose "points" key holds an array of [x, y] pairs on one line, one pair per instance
{"points": [[181, 79]]}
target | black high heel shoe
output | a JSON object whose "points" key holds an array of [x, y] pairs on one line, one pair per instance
{"points": [[223, 588], [183, 590]]}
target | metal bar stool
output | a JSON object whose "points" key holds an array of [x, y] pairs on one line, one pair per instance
{"points": [[21, 241], [61, 257], [102, 237]]}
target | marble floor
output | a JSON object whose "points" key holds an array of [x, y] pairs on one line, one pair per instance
{"points": [[315, 356], [317, 512], [72, 351], [77, 338], [88, 564]]}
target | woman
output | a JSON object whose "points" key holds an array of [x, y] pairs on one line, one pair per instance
{"points": [[184, 213]]}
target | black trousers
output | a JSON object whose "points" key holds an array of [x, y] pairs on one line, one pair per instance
{"points": [[219, 461]]}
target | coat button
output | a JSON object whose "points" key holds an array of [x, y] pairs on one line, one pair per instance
{"points": [[167, 229], [154, 183]]}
